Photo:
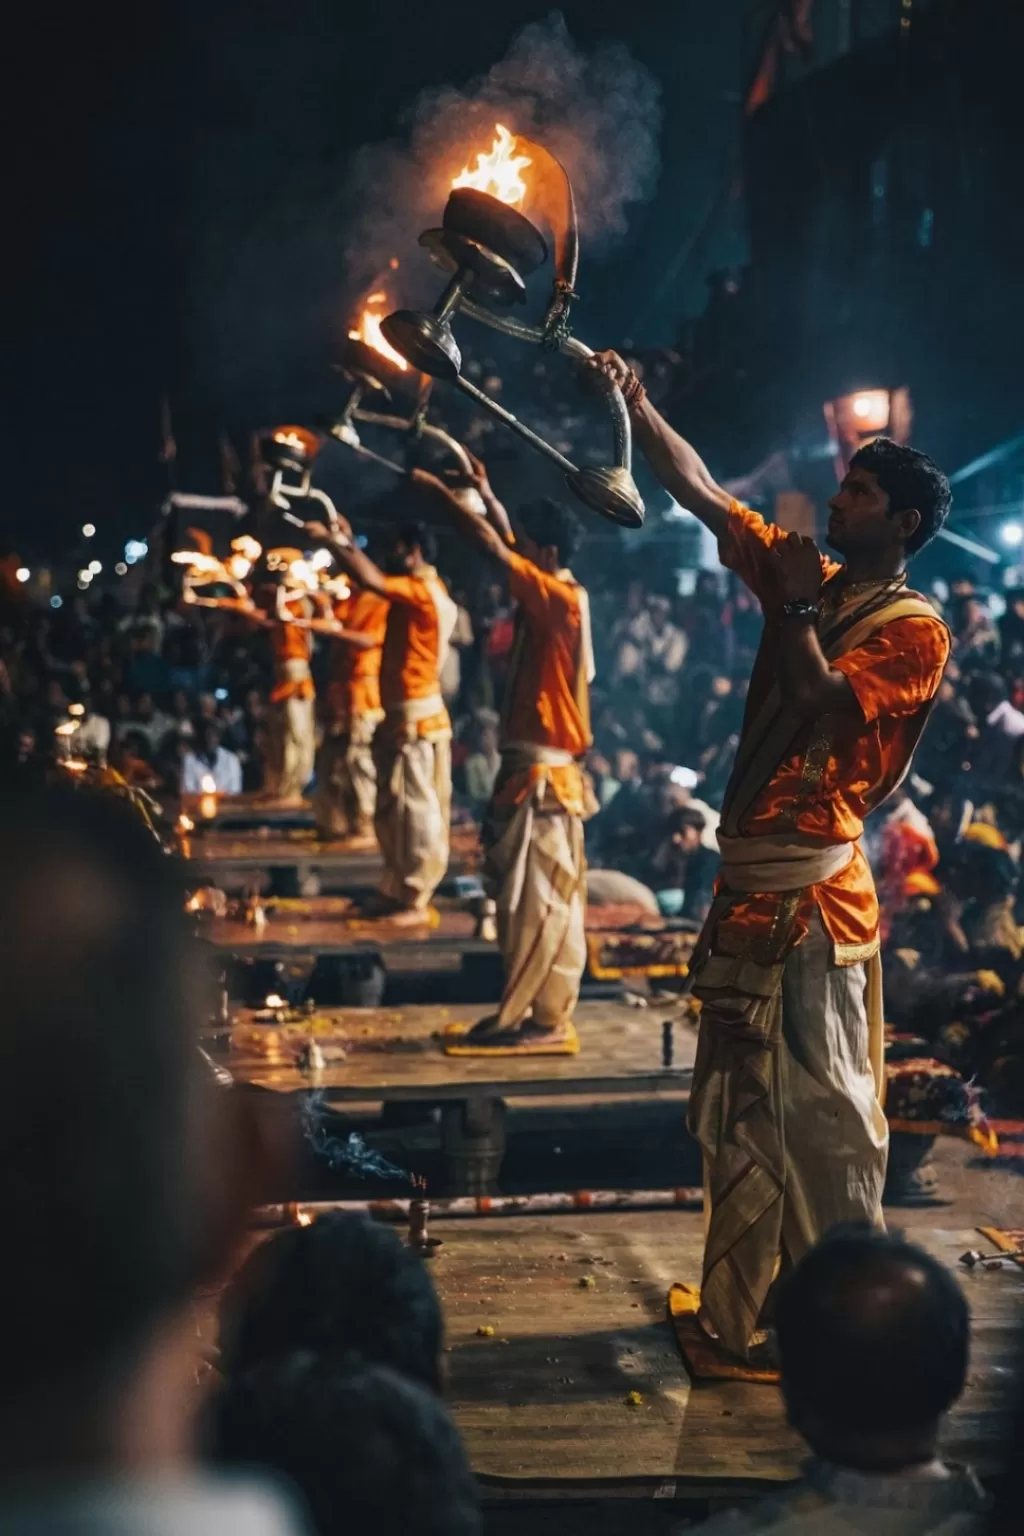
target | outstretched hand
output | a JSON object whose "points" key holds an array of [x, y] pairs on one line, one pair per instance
{"points": [[321, 534], [798, 569]]}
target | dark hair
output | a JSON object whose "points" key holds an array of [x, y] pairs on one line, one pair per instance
{"points": [[687, 816], [873, 1333], [370, 1451], [909, 479], [345, 1283], [548, 522], [103, 1235], [421, 535]]}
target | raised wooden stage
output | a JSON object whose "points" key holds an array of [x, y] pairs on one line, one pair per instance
{"points": [[388, 1056]]}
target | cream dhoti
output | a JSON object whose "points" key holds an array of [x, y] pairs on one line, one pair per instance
{"points": [[346, 777], [536, 871], [291, 732], [786, 1098], [414, 796]]}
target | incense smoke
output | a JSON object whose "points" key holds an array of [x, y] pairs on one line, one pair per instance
{"points": [[598, 112], [351, 1156]]}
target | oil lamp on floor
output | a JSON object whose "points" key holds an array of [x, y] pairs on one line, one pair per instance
{"points": [[489, 248]]}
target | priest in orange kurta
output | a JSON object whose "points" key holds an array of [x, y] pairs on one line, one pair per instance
{"points": [[346, 780], [412, 744], [786, 1097], [535, 868]]}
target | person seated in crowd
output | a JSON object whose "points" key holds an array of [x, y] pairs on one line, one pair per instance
{"points": [[145, 719], [126, 1176], [483, 763], [207, 760], [681, 861], [369, 1450], [873, 1344], [345, 1284]]}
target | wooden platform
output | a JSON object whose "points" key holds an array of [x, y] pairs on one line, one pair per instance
{"points": [[543, 1402], [330, 925], [392, 1055], [229, 854]]}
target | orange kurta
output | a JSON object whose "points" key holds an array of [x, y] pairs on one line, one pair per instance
{"points": [[414, 646], [354, 687], [290, 643], [842, 764], [547, 702]]}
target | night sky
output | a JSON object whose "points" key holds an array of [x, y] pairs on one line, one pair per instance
{"points": [[157, 156]]}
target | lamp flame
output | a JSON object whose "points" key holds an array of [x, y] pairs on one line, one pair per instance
{"points": [[498, 173], [369, 332]]}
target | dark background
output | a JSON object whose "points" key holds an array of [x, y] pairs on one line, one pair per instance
{"points": [[156, 156]]}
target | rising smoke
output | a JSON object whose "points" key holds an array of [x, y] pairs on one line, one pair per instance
{"points": [[598, 112]]}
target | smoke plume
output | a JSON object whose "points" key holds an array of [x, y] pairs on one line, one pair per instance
{"points": [[598, 112]]}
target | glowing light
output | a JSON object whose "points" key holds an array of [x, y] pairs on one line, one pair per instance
{"points": [[368, 330], [120, 569], [320, 559], [274, 1000], [239, 567], [56, 602], [247, 548], [84, 577], [871, 409], [74, 765], [76, 709], [95, 567], [185, 823], [196, 560], [302, 574], [88, 530], [498, 173], [1012, 535], [208, 784], [136, 549], [66, 728], [23, 573]]}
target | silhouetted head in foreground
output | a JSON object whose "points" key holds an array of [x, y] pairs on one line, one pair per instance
{"points": [[369, 1450], [549, 533], [873, 1338], [109, 1132], [344, 1284]]}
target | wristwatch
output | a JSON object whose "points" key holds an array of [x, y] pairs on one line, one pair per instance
{"points": [[798, 608]]}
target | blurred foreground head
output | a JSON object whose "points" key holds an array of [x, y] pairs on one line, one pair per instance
{"points": [[368, 1449], [344, 1286], [107, 1122], [873, 1339]]}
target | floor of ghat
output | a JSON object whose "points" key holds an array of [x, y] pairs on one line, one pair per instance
{"points": [[563, 1373]]}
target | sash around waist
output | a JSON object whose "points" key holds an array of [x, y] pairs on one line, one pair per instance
{"points": [[771, 864], [525, 753], [295, 669], [412, 711]]}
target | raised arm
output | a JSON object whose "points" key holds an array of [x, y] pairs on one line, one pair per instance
{"points": [[676, 465], [349, 556], [491, 533]]}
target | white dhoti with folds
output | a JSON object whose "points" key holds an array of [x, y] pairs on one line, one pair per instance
{"points": [[414, 798], [291, 735], [346, 778], [536, 871], [787, 1089]]}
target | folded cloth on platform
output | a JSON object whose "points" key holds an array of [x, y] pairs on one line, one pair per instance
{"points": [[705, 1360]]}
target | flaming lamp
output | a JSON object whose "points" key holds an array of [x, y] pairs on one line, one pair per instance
{"points": [[489, 248]]}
